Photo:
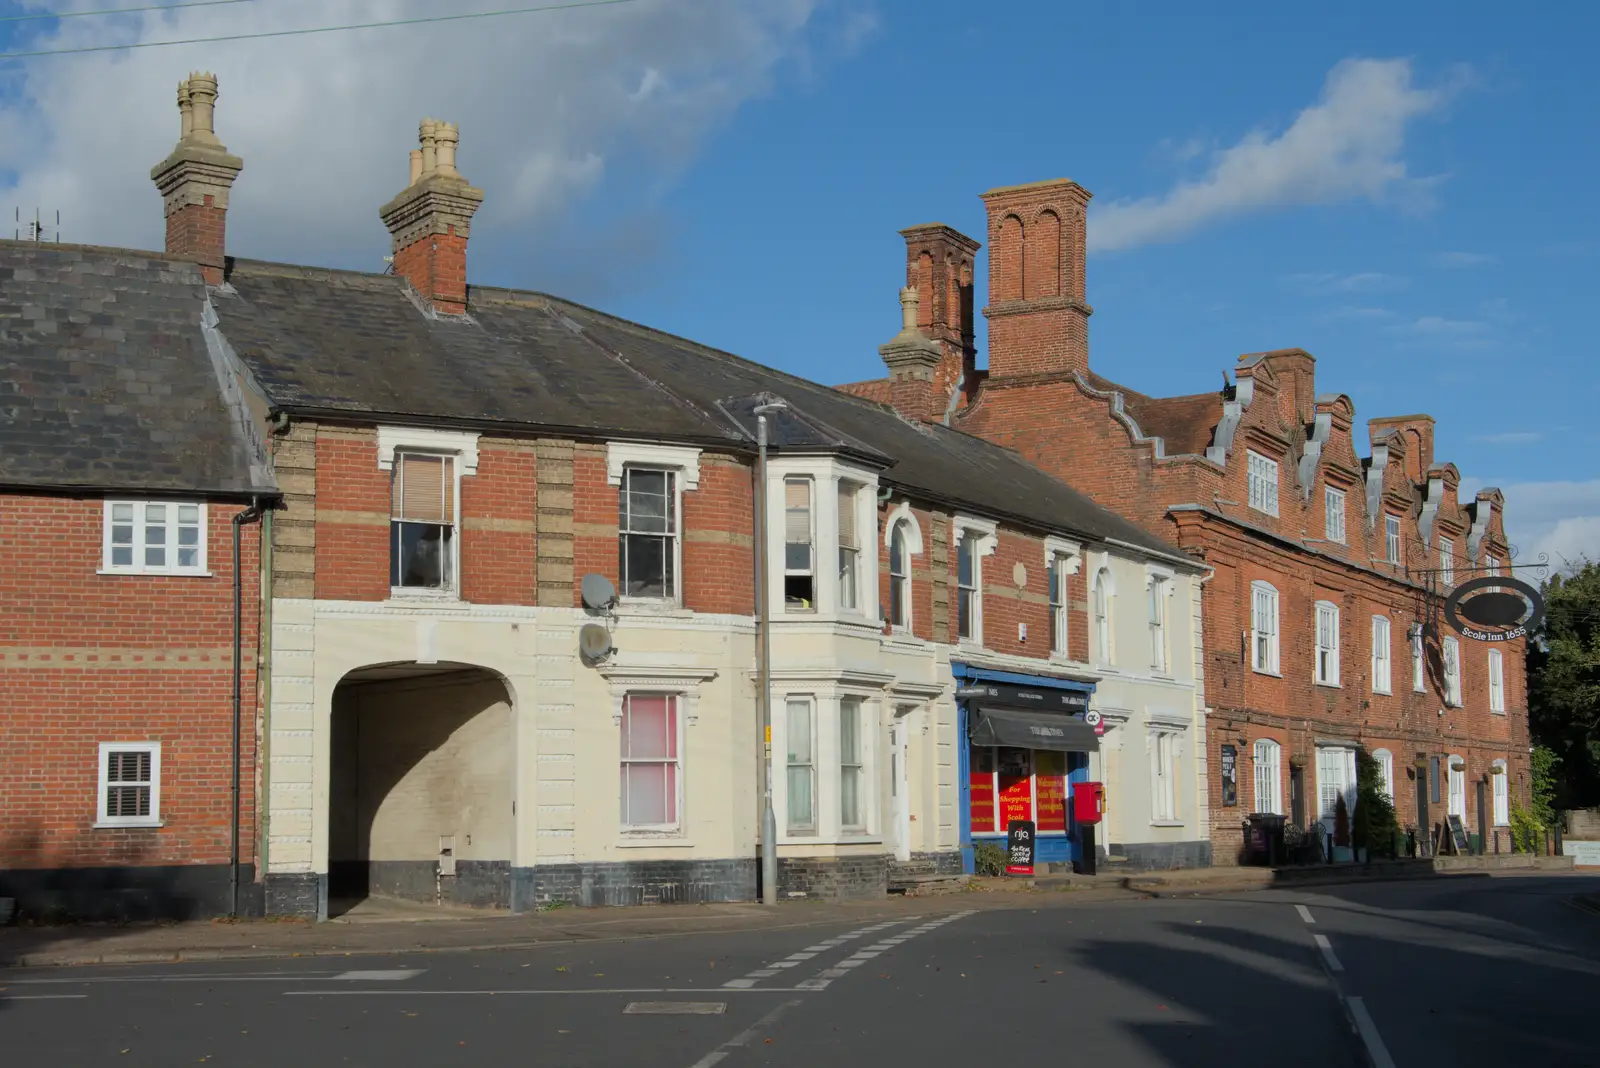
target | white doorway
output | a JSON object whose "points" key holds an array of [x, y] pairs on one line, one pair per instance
{"points": [[899, 790]]}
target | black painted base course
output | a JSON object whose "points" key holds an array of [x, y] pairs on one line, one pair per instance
{"points": [[1162, 856], [645, 882], [303, 894], [835, 878], [156, 892]]}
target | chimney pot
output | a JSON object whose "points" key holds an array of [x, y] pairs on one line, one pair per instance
{"points": [[429, 220], [426, 134], [195, 180], [416, 166]]}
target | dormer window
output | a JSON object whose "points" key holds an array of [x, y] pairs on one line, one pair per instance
{"points": [[1391, 538], [799, 554], [1333, 514], [1447, 561], [1263, 478]]}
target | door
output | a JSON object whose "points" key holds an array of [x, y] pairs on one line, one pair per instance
{"points": [[1297, 794], [899, 791], [1424, 834]]}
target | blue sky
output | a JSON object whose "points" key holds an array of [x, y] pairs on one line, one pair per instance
{"points": [[1406, 195]]}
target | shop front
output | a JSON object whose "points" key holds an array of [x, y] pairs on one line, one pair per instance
{"points": [[1024, 741]]}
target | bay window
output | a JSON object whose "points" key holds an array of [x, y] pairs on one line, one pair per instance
{"points": [[801, 765], [799, 557], [852, 787], [849, 547]]}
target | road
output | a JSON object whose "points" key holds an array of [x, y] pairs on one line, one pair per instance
{"points": [[1461, 971]]}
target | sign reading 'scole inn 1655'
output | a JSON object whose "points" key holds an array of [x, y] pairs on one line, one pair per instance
{"points": [[1494, 609]]}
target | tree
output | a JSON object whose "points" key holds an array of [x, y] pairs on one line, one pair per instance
{"points": [[1564, 683], [1373, 827]]}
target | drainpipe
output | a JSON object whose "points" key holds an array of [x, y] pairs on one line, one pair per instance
{"points": [[248, 515], [769, 819]]}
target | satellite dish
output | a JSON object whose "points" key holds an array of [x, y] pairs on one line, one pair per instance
{"points": [[594, 641], [598, 593]]}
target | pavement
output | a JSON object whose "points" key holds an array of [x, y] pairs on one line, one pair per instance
{"points": [[1455, 970]]}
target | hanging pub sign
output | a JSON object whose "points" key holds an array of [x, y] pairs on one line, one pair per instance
{"points": [[1230, 781], [1019, 847], [1494, 609]]}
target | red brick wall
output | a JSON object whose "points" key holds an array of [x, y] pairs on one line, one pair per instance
{"points": [[200, 231], [88, 658], [353, 504], [497, 525], [436, 267], [719, 538]]}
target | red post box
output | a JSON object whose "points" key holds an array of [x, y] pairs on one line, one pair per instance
{"points": [[1088, 801]]}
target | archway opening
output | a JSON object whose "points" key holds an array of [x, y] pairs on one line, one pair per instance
{"points": [[420, 799]]}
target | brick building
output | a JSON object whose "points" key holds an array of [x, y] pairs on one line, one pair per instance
{"points": [[454, 461], [128, 488], [1330, 555]]}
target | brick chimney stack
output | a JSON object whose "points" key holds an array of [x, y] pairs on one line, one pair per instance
{"points": [[914, 361], [1038, 321], [430, 219], [195, 179], [939, 266]]}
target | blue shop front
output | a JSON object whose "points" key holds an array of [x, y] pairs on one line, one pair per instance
{"points": [[1023, 743]]}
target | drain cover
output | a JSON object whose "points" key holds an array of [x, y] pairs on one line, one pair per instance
{"points": [[675, 1008]]}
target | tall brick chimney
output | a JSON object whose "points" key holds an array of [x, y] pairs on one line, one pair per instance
{"points": [[914, 361], [939, 266], [430, 219], [1038, 321], [195, 179]]}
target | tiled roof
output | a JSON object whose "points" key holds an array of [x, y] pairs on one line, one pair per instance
{"points": [[873, 389], [105, 379]]}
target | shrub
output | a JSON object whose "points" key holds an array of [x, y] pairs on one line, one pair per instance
{"points": [[1373, 827], [988, 858]]}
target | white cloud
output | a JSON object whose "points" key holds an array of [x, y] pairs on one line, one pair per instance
{"points": [[1511, 437], [1318, 284], [1346, 146], [1559, 519], [1462, 259], [1356, 313], [1435, 326], [549, 105]]}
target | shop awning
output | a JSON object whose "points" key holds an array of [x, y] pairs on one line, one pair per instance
{"points": [[1031, 730]]}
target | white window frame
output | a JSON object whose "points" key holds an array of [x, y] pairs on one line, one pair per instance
{"points": [[985, 538], [1345, 759], [813, 829], [848, 492], [1333, 514], [1382, 655], [811, 518], [102, 817], [1159, 589], [1419, 661], [1450, 655], [1500, 787], [1164, 751], [1266, 760], [1456, 781], [682, 462], [451, 590], [825, 473], [1261, 477], [1062, 559], [1447, 562], [1497, 682], [1102, 604], [1264, 610], [676, 703], [1391, 537], [902, 518], [865, 732], [1325, 665], [1385, 761], [138, 545]]}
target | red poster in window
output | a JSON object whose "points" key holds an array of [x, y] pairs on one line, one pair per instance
{"points": [[1050, 773], [1016, 786], [982, 781]]}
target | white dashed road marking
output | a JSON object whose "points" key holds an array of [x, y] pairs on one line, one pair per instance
{"points": [[795, 959], [743, 1038], [383, 975], [1305, 913], [675, 1008], [1327, 953], [1369, 1034], [821, 980]]}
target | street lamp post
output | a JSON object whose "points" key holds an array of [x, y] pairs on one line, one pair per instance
{"points": [[769, 819]]}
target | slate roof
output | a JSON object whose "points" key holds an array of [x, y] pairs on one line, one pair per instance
{"points": [[357, 345], [105, 381]]}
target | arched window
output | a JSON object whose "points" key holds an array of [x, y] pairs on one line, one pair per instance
{"points": [[1102, 615], [1267, 757], [899, 578], [1385, 762]]}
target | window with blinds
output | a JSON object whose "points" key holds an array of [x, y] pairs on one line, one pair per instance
{"points": [[849, 547], [130, 784], [422, 522], [799, 557], [647, 533]]}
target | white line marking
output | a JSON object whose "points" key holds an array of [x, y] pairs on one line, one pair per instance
{"points": [[1369, 1034], [743, 1037], [391, 975], [263, 977], [401, 992], [767, 971], [1305, 913], [1327, 953], [42, 997], [738, 984]]}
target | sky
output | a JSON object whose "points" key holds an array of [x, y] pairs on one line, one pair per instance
{"points": [[1403, 190]]}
